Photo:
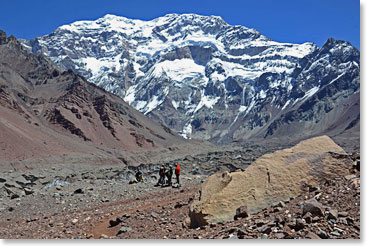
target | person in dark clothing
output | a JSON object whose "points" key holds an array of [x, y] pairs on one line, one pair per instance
{"points": [[139, 175], [162, 171], [169, 173], [178, 173]]}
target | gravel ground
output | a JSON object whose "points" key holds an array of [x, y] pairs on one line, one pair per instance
{"points": [[58, 202]]}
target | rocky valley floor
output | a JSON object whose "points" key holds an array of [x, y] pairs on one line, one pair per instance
{"points": [[100, 203]]}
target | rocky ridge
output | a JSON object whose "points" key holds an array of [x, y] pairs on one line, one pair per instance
{"points": [[209, 80], [60, 116]]}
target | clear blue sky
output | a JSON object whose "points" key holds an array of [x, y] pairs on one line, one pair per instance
{"points": [[294, 21]]}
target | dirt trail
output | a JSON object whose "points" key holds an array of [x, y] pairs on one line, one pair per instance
{"points": [[150, 202]]}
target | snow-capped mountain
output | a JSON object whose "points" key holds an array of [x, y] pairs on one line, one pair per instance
{"points": [[207, 79]]}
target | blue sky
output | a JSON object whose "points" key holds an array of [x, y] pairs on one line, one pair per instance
{"points": [[294, 21]]}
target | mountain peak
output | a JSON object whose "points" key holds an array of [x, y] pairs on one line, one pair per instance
{"points": [[184, 69], [333, 42]]}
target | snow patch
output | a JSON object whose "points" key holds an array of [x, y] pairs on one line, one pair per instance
{"points": [[178, 70], [262, 94], [286, 104], [175, 104], [187, 131], [336, 78], [130, 94], [311, 92], [242, 108]]}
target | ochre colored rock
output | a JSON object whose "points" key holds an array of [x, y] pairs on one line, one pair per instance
{"points": [[270, 179]]}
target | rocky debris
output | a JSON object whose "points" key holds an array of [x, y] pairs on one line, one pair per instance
{"points": [[342, 214], [28, 191], [322, 234], [314, 207], [265, 229], [124, 229], [241, 212], [158, 212], [333, 214], [299, 224], [114, 222], [154, 215], [79, 191], [307, 217], [311, 235], [126, 216], [93, 221], [281, 204], [272, 178]]}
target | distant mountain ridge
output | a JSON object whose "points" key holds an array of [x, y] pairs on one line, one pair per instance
{"points": [[209, 80], [45, 112]]}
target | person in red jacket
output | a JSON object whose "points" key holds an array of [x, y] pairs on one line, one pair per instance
{"points": [[178, 173]]}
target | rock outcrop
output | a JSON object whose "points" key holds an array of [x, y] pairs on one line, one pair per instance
{"points": [[272, 178]]}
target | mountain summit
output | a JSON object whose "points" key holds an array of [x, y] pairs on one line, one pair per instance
{"points": [[210, 80]]}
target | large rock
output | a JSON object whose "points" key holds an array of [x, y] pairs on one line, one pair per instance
{"points": [[314, 207], [270, 179]]}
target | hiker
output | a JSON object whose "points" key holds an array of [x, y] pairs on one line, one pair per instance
{"points": [[139, 175], [168, 174], [161, 175], [178, 173]]}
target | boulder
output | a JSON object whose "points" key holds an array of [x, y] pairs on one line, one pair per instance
{"points": [[272, 178], [241, 212], [299, 225], [314, 207], [22, 181], [28, 191], [333, 214], [13, 192], [154, 215], [79, 191], [342, 214], [124, 229], [307, 217], [2, 179], [114, 223]]}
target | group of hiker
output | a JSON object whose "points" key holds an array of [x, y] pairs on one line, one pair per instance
{"points": [[165, 175]]}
